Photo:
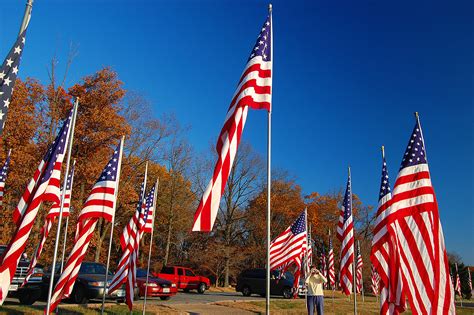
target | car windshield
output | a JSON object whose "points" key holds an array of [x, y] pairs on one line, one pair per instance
{"points": [[93, 268]]}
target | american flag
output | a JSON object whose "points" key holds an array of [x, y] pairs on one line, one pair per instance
{"points": [[127, 264], [53, 213], [323, 262], [130, 240], [291, 245], [413, 219], [8, 74], [469, 277], [309, 256], [359, 266], [375, 279], [100, 204], [3, 177], [44, 186], [384, 255], [254, 90], [345, 233], [458, 282], [331, 271], [130, 230]]}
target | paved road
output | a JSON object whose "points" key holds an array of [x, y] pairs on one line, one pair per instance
{"points": [[208, 297]]}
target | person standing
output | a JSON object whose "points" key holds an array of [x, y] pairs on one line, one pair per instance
{"points": [[315, 295]]}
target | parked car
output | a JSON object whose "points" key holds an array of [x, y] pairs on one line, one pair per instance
{"points": [[31, 291], [184, 278], [89, 284], [253, 281], [157, 287]]}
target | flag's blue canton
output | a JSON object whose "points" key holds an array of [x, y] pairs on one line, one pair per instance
{"points": [[140, 205], [300, 224], [263, 45], [415, 153], [149, 202], [58, 147], [4, 170], [110, 171], [69, 177], [150, 199], [347, 203], [8, 74], [384, 183], [330, 244]]}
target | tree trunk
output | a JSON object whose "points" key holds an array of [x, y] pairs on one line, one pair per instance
{"points": [[226, 267], [167, 248]]}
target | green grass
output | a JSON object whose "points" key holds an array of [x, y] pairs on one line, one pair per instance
{"points": [[82, 310], [339, 305]]}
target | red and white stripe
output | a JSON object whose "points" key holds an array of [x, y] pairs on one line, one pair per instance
{"points": [[50, 218], [254, 90], [100, 204], [375, 279], [345, 233], [469, 277], [384, 255], [413, 222], [43, 187], [359, 266], [331, 270], [130, 240], [458, 282]]}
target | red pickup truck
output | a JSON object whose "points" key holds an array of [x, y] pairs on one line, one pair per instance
{"points": [[184, 278]]}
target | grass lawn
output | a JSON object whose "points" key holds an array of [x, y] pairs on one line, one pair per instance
{"points": [[340, 305], [89, 309]]}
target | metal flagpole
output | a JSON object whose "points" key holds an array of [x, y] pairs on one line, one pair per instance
{"points": [[26, 16], [112, 226], [67, 222], [151, 242], [354, 286], [269, 182], [61, 207]]}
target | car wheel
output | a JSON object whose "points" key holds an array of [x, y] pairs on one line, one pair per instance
{"points": [[202, 288], [165, 298], [287, 294], [79, 295], [186, 290], [27, 298], [246, 291]]}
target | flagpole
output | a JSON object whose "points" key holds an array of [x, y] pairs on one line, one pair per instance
{"points": [[67, 221], [61, 207], [305, 269], [112, 226], [353, 249], [26, 16], [151, 242], [269, 150]]}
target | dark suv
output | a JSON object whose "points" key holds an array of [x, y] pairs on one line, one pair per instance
{"points": [[252, 281]]}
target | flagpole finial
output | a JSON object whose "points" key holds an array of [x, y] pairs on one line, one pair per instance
{"points": [[383, 151], [270, 7], [349, 170], [417, 116]]}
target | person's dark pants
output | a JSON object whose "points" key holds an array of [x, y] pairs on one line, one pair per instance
{"points": [[315, 302]]}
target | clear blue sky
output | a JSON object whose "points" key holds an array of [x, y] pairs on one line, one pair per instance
{"points": [[348, 76]]}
